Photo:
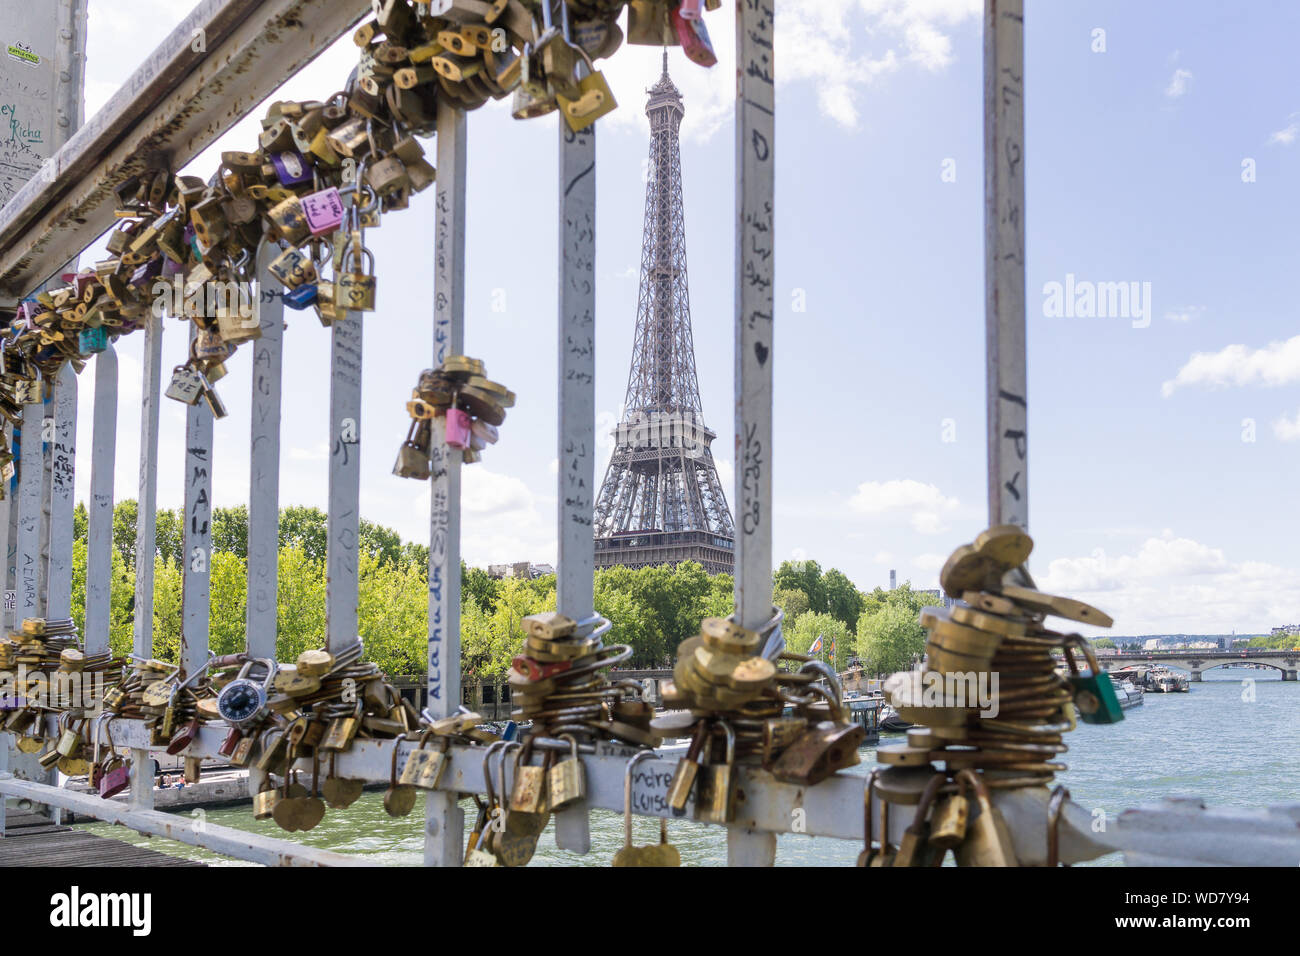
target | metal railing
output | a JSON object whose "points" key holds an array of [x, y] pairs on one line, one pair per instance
{"points": [[180, 101]]}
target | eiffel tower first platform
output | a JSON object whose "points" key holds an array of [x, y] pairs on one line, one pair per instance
{"points": [[661, 501]]}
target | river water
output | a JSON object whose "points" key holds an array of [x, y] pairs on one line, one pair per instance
{"points": [[1232, 740]]}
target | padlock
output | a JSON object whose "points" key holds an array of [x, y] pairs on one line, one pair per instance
{"points": [[716, 802], [69, 744], [303, 297], [819, 752], [948, 824], [647, 24], [264, 800], [693, 35], [387, 176], [458, 428], [293, 268], [913, 849], [424, 768], [567, 780], [413, 456], [989, 841], [686, 773], [323, 211], [1094, 692], [29, 391], [186, 384], [341, 730], [242, 702], [289, 221], [528, 795], [354, 287], [290, 168], [872, 855], [662, 853], [399, 798], [193, 769]]}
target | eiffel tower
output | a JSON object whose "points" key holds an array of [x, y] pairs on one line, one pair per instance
{"points": [[661, 501]]}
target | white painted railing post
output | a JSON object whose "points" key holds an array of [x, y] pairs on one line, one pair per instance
{"points": [[755, 349], [196, 535], [1004, 261], [145, 537], [7, 510], [264, 464], [344, 522], [63, 458], [99, 518], [30, 477], [444, 819], [577, 407]]}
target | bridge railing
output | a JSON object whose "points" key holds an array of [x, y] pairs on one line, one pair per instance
{"points": [[177, 103]]}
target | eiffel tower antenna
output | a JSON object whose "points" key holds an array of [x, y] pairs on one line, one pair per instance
{"points": [[661, 501]]}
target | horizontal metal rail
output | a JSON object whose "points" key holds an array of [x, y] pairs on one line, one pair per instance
{"points": [[191, 831]]}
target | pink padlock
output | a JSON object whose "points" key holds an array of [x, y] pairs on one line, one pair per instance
{"points": [[694, 38], [458, 428], [690, 9], [323, 211]]}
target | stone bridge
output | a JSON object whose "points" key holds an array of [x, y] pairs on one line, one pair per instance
{"points": [[1197, 662]]}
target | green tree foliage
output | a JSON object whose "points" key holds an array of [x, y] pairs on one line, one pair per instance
{"points": [[806, 629], [805, 576], [1104, 642], [843, 599], [793, 601], [889, 637]]}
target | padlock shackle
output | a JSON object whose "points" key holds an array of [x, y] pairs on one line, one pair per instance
{"points": [[627, 793]]}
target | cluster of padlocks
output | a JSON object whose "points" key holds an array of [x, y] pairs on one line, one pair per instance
{"points": [[323, 171], [470, 404], [992, 707]]}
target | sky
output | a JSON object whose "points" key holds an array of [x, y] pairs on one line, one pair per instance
{"points": [[1162, 149]]}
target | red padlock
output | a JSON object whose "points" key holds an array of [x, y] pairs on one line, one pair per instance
{"points": [[231, 742], [535, 670]]}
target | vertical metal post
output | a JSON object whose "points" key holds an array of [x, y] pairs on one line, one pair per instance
{"points": [[755, 145], [6, 530], [99, 525], [577, 424], [63, 457], [444, 819], [1004, 261], [196, 535], [145, 538], [341, 584], [30, 475], [264, 464]]}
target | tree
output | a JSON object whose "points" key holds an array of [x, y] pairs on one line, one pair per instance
{"points": [[811, 625], [1104, 642], [304, 528], [889, 638], [230, 531], [478, 585], [805, 576], [124, 517], [843, 599], [793, 601]]}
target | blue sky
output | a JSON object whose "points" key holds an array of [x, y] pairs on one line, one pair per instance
{"points": [[1162, 450]]}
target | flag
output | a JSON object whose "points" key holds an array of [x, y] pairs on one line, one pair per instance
{"points": [[816, 645]]}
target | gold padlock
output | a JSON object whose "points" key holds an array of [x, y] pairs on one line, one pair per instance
{"points": [[716, 800], [948, 826], [567, 780]]}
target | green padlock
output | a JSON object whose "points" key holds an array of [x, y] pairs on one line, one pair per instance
{"points": [[1094, 694]]}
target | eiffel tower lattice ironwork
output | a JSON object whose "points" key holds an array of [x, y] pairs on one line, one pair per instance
{"points": [[661, 501]]}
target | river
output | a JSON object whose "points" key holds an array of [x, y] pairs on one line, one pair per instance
{"points": [[1231, 740]]}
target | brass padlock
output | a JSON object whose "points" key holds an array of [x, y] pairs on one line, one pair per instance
{"points": [[528, 795], [686, 772], [355, 286], [567, 780], [264, 801], [424, 768], [413, 456], [948, 826], [341, 730], [819, 752], [989, 841], [912, 848], [716, 801]]}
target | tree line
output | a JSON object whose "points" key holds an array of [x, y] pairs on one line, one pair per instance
{"points": [[652, 609]]}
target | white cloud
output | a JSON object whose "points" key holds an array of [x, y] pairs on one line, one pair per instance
{"points": [[1175, 585], [1287, 429], [1178, 83], [924, 504], [930, 562], [883, 557], [1278, 363], [1184, 313], [1287, 134]]}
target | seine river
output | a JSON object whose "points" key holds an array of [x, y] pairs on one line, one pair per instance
{"points": [[1215, 742]]}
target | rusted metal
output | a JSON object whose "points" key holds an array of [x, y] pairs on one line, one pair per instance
{"points": [[177, 103]]}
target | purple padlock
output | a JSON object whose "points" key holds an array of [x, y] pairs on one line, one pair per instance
{"points": [[323, 211], [290, 168], [171, 268], [149, 270]]}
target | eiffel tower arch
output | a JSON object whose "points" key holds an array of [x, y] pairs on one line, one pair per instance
{"points": [[661, 501]]}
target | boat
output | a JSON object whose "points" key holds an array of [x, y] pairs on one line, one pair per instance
{"points": [[891, 723], [865, 710], [1127, 692], [1162, 680]]}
